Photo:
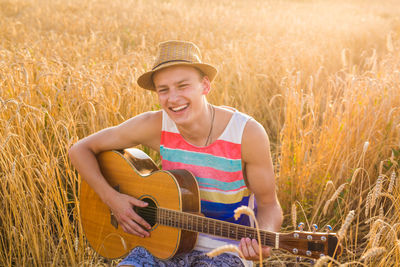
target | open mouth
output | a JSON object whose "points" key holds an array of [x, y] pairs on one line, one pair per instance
{"points": [[179, 108]]}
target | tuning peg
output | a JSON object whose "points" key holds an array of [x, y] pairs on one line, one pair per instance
{"points": [[300, 226], [314, 227], [328, 228]]}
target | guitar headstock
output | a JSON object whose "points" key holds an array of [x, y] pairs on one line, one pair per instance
{"points": [[311, 244]]}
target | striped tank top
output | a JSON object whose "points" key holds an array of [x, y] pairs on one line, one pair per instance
{"points": [[216, 167]]}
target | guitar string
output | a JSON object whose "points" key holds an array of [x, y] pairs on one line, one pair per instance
{"points": [[192, 216], [240, 229]]}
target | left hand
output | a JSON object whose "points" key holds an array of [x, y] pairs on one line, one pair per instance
{"points": [[249, 248]]}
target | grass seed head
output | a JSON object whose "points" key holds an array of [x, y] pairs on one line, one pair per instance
{"points": [[349, 218], [294, 215], [368, 203], [244, 210], [372, 252], [223, 249], [392, 181]]}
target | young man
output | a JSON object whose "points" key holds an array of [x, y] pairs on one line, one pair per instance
{"points": [[226, 150]]}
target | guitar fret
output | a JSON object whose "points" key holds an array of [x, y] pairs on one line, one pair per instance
{"points": [[223, 229], [264, 238], [252, 234], [214, 227], [182, 221], [236, 232], [227, 230], [199, 222], [164, 217], [217, 227]]}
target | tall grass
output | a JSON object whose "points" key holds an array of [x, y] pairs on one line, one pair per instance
{"points": [[321, 76]]}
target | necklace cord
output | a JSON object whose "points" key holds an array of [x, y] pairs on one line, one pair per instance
{"points": [[212, 123]]}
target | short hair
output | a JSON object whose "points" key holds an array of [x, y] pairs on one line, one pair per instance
{"points": [[201, 74]]}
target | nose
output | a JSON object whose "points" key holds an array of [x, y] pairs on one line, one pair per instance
{"points": [[173, 95]]}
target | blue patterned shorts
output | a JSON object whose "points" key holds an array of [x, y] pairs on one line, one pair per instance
{"points": [[140, 257]]}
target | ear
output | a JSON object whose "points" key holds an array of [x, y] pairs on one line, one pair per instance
{"points": [[206, 85]]}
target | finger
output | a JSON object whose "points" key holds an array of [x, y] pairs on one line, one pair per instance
{"points": [[139, 220], [135, 228], [134, 216], [255, 246], [131, 218], [137, 202], [266, 251], [243, 248], [128, 229], [250, 249]]}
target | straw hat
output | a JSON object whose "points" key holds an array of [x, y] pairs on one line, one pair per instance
{"points": [[172, 53]]}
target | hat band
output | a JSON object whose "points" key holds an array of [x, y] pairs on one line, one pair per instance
{"points": [[165, 62]]}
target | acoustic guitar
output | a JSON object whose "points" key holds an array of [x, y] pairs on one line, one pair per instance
{"points": [[173, 212]]}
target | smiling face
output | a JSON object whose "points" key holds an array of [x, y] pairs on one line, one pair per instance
{"points": [[181, 92]]}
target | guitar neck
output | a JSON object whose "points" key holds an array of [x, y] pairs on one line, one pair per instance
{"points": [[200, 224]]}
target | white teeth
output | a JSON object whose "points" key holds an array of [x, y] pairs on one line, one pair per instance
{"points": [[179, 108]]}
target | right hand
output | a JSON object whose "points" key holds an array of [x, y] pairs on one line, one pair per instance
{"points": [[122, 206]]}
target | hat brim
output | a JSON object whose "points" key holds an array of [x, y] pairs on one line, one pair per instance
{"points": [[146, 79]]}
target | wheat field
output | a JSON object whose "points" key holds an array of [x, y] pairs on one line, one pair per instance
{"points": [[323, 77]]}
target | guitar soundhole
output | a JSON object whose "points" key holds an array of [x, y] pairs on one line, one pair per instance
{"points": [[149, 213]]}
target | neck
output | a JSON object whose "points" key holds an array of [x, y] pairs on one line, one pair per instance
{"points": [[197, 132]]}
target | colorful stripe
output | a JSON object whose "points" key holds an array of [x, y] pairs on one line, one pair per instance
{"points": [[223, 197], [219, 148], [201, 159], [223, 211], [211, 183], [204, 171]]}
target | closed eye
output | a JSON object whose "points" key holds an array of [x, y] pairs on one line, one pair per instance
{"points": [[162, 90]]}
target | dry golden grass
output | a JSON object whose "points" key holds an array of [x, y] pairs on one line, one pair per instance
{"points": [[323, 77]]}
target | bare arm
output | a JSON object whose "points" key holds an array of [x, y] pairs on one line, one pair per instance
{"points": [[142, 129], [261, 181]]}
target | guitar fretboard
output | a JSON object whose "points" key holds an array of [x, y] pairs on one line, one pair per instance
{"points": [[197, 223]]}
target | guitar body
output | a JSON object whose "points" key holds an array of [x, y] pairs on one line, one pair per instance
{"points": [[135, 174]]}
